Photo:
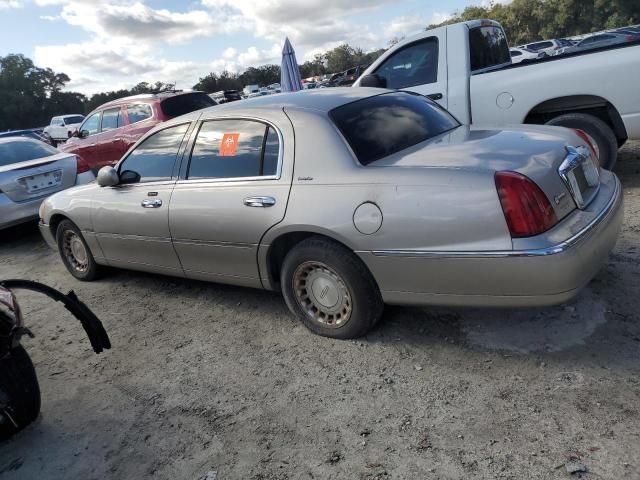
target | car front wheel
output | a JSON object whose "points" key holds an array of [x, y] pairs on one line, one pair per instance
{"points": [[74, 252], [330, 290]]}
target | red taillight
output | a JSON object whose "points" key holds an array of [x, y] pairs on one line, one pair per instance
{"points": [[587, 140], [82, 165], [526, 208]]}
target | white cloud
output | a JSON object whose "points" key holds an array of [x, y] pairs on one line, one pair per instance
{"points": [[439, 17], [7, 4], [405, 25]]}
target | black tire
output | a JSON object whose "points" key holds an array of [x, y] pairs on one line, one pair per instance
{"points": [[354, 287], [19, 392], [601, 133], [85, 269]]}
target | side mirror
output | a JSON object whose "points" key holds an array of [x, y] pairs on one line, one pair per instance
{"points": [[129, 176], [373, 80], [83, 133], [108, 177]]}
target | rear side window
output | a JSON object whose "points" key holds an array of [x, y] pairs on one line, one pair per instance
{"points": [[515, 53], [111, 119], [379, 126], [234, 149], [153, 160], [488, 47], [139, 112], [539, 45], [24, 150], [186, 103], [415, 64]]}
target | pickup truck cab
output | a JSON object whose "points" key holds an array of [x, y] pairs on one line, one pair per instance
{"points": [[62, 127], [466, 68]]}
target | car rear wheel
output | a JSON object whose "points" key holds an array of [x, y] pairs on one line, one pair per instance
{"points": [[75, 253], [19, 392], [330, 290], [602, 136]]}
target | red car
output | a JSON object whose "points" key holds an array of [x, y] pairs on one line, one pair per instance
{"points": [[108, 132]]}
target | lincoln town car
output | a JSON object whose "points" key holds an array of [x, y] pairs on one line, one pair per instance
{"points": [[345, 200]]}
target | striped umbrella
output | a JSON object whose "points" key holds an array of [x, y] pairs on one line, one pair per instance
{"points": [[290, 80]]}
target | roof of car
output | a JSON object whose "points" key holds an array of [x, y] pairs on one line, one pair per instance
{"points": [[324, 100]]}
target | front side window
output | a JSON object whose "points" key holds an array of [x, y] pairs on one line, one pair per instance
{"points": [[376, 127], [415, 64], [234, 149], [139, 112], [111, 119], [488, 47], [153, 160], [91, 124]]}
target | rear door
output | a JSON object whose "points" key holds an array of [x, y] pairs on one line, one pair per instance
{"points": [[232, 190], [131, 221], [109, 141], [418, 67]]}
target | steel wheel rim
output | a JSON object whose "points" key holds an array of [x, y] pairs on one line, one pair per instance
{"points": [[74, 251], [322, 294]]}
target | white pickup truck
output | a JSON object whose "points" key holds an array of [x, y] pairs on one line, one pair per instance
{"points": [[62, 127], [466, 67]]}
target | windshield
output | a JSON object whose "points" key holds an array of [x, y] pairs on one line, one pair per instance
{"points": [[379, 126], [23, 150], [74, 119]]}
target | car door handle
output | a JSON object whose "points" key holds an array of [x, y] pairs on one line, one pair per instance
{"points": [[151, 203], [435, 96], [259, 201]]}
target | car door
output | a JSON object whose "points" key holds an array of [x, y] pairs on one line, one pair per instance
{"points": [[232, 190], [85, 144], [419, 68], [109, 140], [140, 118], [131, 220]]}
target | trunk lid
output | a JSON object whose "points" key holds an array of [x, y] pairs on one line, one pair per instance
{"points": [[39, 177], [538, 152]]}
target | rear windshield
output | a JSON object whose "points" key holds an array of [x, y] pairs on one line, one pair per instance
{"points": [[188, 102], [74, 119], [24, 150], [488, 47], [379, 126]]}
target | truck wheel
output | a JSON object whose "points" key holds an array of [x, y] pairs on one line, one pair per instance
{"points": [[19, 392], [75, 253], [330, 290], [604, 138]]}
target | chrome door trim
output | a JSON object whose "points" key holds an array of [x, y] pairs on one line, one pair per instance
{"points": [[539, 252]]}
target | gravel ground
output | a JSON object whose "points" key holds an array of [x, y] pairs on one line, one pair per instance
{"points": [[210, 378]]}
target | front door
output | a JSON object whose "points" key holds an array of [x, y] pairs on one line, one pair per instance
{"points": [[131, 220], [232, 192], [109, 140], [85, 144]]}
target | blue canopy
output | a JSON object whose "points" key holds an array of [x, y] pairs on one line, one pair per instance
{"points": [[290, 80]]}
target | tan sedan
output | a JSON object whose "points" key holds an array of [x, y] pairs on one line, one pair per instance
{"points": [[347, 199]]}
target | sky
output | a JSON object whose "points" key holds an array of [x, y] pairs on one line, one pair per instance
{"points": [[107, 45]]}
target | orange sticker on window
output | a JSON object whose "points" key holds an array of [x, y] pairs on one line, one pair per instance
{"points": [[229, 144]]}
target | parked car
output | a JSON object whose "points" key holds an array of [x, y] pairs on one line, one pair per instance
{"points": [[30, 170], [224, 96], [35, 133], [110, 130], [550, 47], [600, 40], [522, 54], [348, 77], [391, 201], [466, 67], [62, 127]]}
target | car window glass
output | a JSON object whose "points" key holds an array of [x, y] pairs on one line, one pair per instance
{"points": [[230, 149], [271, 153], [73, 120], [185, 103], [92, 124], [111, 119], [24, 150], [378, 126], [138, 112], [515, 53], [488, 47], [153, 160], [415, 64]]}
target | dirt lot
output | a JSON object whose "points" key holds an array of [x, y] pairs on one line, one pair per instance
{"points": [[209, 378]]}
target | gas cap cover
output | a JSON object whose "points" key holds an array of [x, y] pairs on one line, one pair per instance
{"points": [[367, 218]]}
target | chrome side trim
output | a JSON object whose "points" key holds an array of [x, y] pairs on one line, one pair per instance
{"points": [[540, 252]]}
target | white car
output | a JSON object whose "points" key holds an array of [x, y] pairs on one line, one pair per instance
{"points": [[63, 126], [521, 54], [550, 47]]}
